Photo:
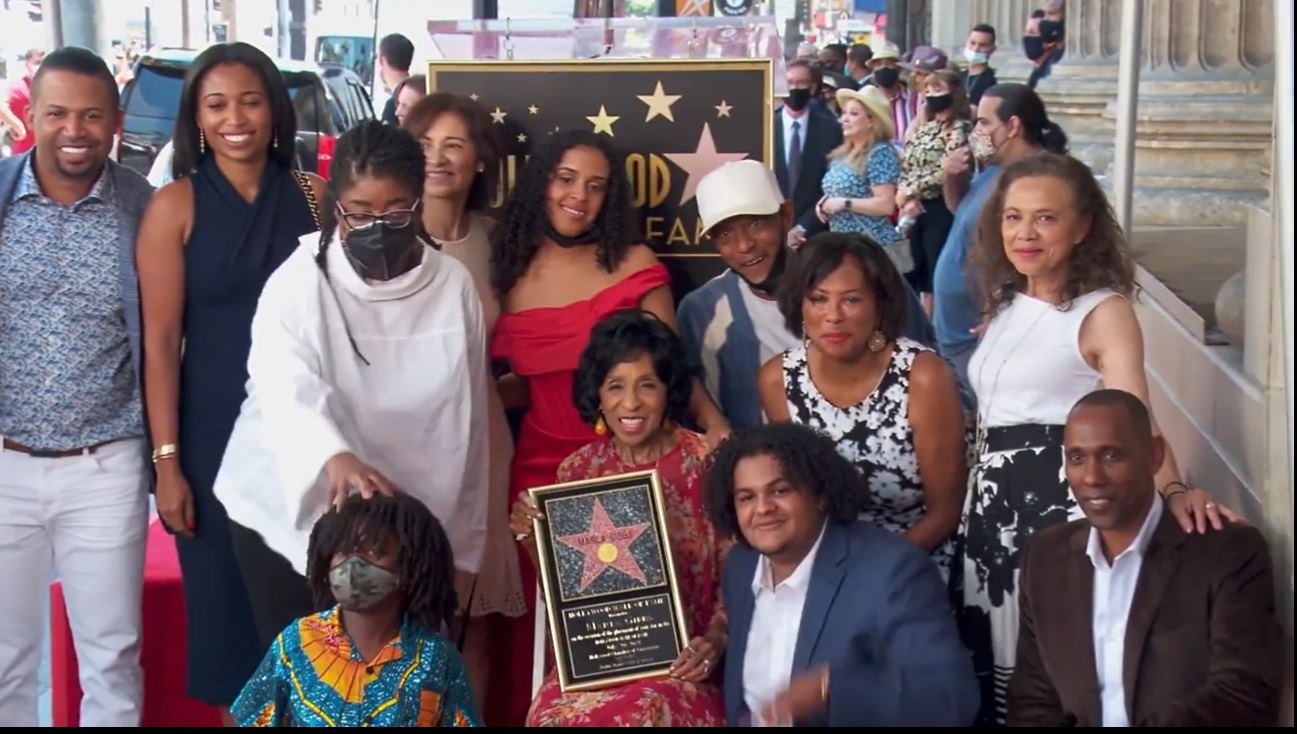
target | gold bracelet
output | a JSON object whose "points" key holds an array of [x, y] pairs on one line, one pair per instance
{"points": [[165, 451]]}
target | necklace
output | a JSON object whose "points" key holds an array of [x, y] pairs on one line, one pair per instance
{"points": [[979, 443]]}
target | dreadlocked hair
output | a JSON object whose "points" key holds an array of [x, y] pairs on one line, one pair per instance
{"points": [[524, 219], [424, 561], [371, 148], [378, 150]]}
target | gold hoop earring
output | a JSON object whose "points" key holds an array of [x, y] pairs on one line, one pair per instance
{"points": [[877, 341], [202, 142], [600, 428]]}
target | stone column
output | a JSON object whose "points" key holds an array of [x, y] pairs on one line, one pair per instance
{"points": [[1205, 111], [951, 20], [1081, 85]]}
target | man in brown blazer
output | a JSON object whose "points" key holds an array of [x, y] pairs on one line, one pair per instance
{"points": [[1125, 620]]}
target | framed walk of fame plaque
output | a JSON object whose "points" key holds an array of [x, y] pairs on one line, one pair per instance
{"points": [[675, 120], [609, 581]]}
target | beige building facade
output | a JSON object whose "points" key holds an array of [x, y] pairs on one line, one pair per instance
{"points": [[1212, 221]]}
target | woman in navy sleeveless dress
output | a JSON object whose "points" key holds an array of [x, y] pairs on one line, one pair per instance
{"points": [[232, 216]]}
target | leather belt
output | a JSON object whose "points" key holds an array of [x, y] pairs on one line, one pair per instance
{"points": [[47, 454]]}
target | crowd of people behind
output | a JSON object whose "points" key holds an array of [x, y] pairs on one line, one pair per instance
{"points": [[910, 472]]}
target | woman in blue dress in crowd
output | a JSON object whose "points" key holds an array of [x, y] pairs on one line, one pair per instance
{"points": [[383, 571], [207, 244]]}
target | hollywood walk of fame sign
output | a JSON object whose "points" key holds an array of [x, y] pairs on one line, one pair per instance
{"points": [[675, 120], [606, 570]]}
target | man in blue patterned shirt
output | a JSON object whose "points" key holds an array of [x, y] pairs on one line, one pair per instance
{"points": [[73, 467]]}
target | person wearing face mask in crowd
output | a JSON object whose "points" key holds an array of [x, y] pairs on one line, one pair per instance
{"points": [[805, 134], [367, 375], [834, 57], [921, 63], [885, 74], [979, 76], [381, 569], [732, 324], [858, 58], [1043, 40]]}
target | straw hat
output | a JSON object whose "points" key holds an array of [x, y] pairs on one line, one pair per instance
{"points": [[874, 101]]}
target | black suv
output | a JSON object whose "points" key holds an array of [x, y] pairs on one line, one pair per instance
{"points": [[328, 100]]}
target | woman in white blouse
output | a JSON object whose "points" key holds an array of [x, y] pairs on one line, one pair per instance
{"points": [[367, 374]]}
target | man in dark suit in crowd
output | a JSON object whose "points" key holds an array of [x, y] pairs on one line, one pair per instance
{"points": [[805, 134], [1126, 620], [395, 56]]}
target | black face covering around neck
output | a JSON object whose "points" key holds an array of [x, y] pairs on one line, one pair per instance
{"points": [[588, 237], [380, 252], [770, 285]]}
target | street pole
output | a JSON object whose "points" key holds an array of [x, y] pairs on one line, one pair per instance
{"points": [[80, 23], [285, 41]]}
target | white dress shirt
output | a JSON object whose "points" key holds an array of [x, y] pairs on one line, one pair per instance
{"points": [[787, 119], [1114, 590], [772, 639], [417, 412]]}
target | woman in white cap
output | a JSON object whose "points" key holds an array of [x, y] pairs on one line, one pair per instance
{"points": [[860, 185]]}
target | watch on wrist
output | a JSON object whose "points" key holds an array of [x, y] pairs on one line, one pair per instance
{"points": [[846, 204]]}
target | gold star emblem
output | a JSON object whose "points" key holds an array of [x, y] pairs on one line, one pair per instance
{"points": [[659, 103], [723, 109], [533, 109], [522, 137], [498, 116], [603, 121], [473, 96]]}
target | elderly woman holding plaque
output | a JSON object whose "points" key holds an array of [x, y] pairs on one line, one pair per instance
{"points": [[633, 386]]}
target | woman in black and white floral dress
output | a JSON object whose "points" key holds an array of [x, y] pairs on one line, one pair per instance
{"points": [[890, 404]]}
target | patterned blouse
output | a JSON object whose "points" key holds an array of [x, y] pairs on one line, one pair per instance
{"points": [[921, 174], [841, 179], [698, 552], [313, 676]]}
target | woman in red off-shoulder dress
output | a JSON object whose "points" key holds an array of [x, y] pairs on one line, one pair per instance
{"points": [[562, 259]]}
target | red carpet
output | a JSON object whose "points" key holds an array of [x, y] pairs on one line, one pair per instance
{"points": [[163, 654]]}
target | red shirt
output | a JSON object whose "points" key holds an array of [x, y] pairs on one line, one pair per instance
{"points": [[20, 101]]}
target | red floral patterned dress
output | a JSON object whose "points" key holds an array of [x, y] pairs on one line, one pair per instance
{"points": [[698, 551]]}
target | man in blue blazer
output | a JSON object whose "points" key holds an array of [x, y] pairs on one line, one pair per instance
{"points": [[832, 621], [74, 468]]}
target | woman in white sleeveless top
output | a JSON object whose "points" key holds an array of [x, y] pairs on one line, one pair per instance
{"points": [[463, 154], [1058, 281]]}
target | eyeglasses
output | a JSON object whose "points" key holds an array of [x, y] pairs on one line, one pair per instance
{"points": [[396, 218]]}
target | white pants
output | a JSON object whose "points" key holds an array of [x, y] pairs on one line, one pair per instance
{"points": [[87, 518]]}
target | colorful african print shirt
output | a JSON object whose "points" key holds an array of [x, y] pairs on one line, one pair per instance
{"points": [[313, 676]]}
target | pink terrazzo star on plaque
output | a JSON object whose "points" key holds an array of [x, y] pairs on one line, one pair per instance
{"points": [[606, 545]]}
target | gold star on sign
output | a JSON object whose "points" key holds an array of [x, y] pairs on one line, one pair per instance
{"points": [[723, 109], [522, 137], [603, 121], [473, 96], [533, 109], [659, 103], [498, 116]]}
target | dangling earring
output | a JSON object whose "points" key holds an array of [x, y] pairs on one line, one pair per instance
{"points": [[600, 428], [877, 341], [202, 142], [274, 140], [481, 168]]}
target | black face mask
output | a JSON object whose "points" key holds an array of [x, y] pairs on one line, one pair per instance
{"points": [[887, 77], [797, 99], [380, 252], [588, 237], [768, 286], [938, 103]]}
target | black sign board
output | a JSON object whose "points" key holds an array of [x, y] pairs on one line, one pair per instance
{"points": [[676, 120], [609, 581]]}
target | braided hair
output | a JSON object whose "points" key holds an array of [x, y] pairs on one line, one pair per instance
{"points": [[424, 561], [376, 149], [524, 219]]}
